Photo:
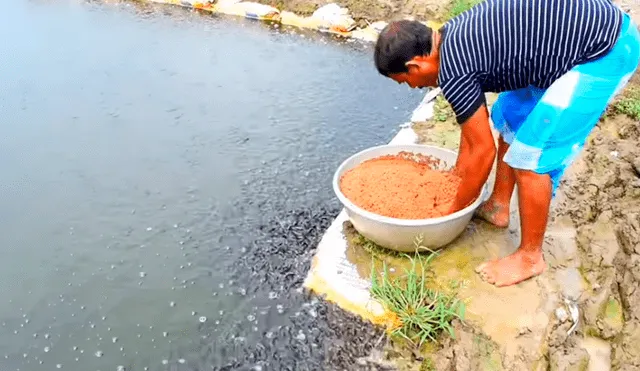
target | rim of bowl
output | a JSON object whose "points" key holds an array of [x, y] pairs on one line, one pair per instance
{"points": [[396, 221]]}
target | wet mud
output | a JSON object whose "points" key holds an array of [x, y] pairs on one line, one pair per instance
{"points": [[603, 200]]}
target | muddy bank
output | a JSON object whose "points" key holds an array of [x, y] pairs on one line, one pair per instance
{"points": [[603, 200], [372, 10]]}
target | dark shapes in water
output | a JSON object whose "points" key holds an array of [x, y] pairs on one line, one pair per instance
{"points": [[319, 336]]}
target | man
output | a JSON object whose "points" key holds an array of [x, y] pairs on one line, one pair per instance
{"points": [[557, 65]]}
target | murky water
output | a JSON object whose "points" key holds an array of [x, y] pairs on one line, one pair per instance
{"points": [[160, 169]]}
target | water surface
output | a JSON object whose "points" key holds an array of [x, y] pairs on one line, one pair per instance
{"points": [[151, 159]]}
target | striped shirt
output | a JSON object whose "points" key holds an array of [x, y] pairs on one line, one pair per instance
{"points": [[502, 45]]}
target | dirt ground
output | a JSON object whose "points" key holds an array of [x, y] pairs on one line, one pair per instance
{"points": [[371, 10], [375, 10]]}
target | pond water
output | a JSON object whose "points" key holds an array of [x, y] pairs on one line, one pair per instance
{"points": [[165, 175]]}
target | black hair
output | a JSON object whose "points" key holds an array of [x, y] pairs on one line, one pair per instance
{"points": [[398, 43]]}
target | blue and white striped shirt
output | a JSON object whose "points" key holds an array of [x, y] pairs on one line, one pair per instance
{"points": [[502, 45]]}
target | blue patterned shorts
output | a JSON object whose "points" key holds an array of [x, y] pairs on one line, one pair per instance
{"points": [[547, 128]]}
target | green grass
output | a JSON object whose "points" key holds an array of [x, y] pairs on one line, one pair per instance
{"points": [[442, 110], [422, 313], [629, 103], [458, 7]]}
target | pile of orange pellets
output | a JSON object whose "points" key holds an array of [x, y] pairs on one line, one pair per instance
{"points": [[403, 186]]}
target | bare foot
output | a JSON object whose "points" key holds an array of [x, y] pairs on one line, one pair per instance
{"points": [[494, 213], [512, 269]]}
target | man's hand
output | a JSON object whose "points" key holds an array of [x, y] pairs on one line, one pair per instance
{"points": [[475, 159]]}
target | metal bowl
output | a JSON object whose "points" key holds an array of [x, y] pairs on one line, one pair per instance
{"points": [[402, 234]]}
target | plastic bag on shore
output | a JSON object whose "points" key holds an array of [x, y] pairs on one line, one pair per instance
{"points": [[334, 18], [424, 111], [248, 10]]}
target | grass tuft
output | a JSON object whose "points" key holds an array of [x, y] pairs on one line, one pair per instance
{"points": [[421, 313], [458, 7], [629, 103]]}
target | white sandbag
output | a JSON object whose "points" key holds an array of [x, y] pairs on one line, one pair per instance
{"points": [[334, 16], [248, 9], [379, 25], [424, 111]]}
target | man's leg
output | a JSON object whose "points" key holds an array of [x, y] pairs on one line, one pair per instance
{"points": [[496, 209], [534, 197]]}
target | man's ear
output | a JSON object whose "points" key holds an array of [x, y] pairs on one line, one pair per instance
{"points": [[412, 65]]}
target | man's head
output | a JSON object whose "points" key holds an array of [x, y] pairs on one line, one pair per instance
{"points": [[407, 52]]}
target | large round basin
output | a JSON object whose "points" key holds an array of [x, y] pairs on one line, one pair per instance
{"points": [[402, 234]]}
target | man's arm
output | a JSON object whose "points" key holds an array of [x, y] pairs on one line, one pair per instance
{"points": [[477, 152]]}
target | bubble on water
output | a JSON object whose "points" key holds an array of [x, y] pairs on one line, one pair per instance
{"points": [[251, 318], [99, 353], [273, 295], [217, 322], [149, 228], [203, 319], [269, 335], [221, 313], [172, 304], [221, 285], [47, 349], [93, 326], [182, 360], [142, 274], [175, 226], [104, 318], [114, 339], [193, 313], [75, 348], [120, 368], [165, 362], [58, 366], [46, 336], [15, 332]]}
